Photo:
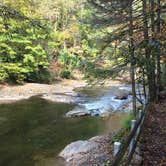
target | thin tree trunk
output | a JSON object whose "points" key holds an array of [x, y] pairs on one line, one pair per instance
{"points": [[144, 84], [153, 50], [158, 80], [132, 59]]}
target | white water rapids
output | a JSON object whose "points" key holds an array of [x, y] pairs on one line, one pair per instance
{"points": [[105, 103]]}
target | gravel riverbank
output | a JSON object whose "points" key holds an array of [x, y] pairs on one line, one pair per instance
{"points": [[9, 94]]}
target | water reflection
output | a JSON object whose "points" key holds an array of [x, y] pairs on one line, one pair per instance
{"points": [[34, 131]]}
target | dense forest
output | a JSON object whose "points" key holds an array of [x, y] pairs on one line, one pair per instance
{"points": [[45, 40]]}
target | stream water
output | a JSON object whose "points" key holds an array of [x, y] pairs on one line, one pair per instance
{"points": [[34, 131]]}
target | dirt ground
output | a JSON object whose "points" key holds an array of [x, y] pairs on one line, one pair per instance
{"points": [[153, 138]]}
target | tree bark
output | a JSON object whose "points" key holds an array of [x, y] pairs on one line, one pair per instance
{"points": [[150, 74], [144, 83], [153, 50], [158, 79], [132, 59]]}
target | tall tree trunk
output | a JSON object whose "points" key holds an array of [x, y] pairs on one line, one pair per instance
{"points": [[153, 50], [132, 59], [158, 80], [150, 76]]}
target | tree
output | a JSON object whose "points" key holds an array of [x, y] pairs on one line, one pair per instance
{"points": [[142, 38], [158, 75], [132, 58], [22, 52]]}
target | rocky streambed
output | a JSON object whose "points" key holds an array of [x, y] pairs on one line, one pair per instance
{"points": [[107, 101]]}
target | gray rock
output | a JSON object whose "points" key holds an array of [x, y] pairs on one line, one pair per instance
{"points": [[84, 153], [127, 108], [137, 160], [77, 112], [77, 148], [95, 112], [105, 114], [138, 151], [122, 95]]}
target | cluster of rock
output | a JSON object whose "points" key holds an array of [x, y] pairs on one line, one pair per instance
{"points": [[101, 109], [81, 111]]}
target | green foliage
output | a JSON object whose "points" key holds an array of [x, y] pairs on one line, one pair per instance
{"points": [[127, 122], [42, 76], [33, 47], [3, 74], [107, 163], [65, 74], [68, 60], [119, 136], [12, 72], [22, 53]]}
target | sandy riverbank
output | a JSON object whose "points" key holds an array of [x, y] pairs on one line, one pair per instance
{"points": [[10, 94]]}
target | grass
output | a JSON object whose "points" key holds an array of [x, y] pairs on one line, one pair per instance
{"points": [[121, 134]]}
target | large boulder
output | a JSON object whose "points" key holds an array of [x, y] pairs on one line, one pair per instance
{"points": [[95, 151], [75, 149]]}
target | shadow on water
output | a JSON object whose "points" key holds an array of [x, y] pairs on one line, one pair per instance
{"points": [[34, 129]]}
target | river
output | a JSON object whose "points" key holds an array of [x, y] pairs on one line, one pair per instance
{"points": [[34, 131]]}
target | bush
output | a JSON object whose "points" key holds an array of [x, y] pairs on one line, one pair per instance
{"points": [[12, 73], [65, 74], [3, 75], [40, 76]]}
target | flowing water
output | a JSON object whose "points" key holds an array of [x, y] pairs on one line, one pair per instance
{"points": [[102, 99], [34, 131]]}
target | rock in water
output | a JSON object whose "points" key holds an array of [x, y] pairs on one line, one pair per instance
{"points": [[122, 95], [77, 112], [94, 151], [95, 112], [74, 113]]}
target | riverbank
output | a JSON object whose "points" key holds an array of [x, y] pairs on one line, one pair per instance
{"points": [[9, 94]]}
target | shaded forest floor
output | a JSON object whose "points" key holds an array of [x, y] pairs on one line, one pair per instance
{"points": [[153, 138]]}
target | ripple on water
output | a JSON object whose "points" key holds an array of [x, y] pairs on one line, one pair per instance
{"points": [[36, 127]]}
